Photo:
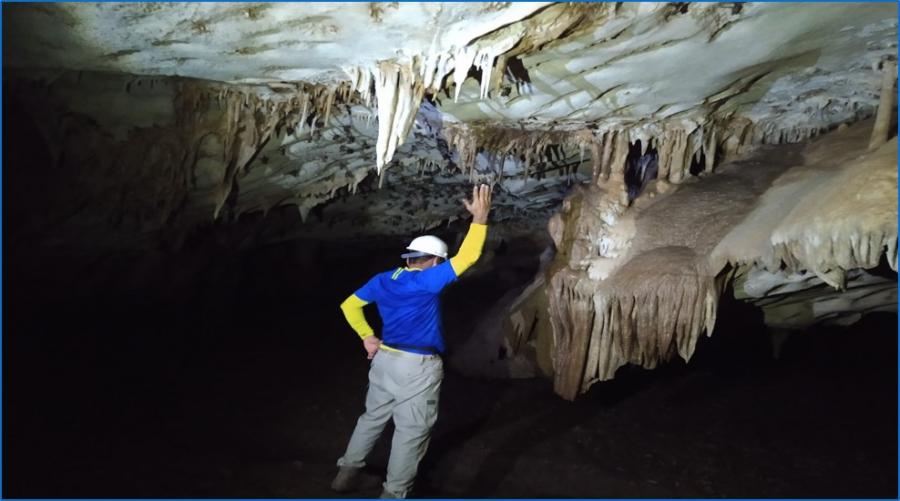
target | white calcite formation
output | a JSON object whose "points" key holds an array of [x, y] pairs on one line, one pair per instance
{"points": [[791, 70], [791, 228], [375, 118]]}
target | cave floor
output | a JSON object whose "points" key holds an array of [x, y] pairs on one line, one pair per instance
{"points": [[269, 419]]}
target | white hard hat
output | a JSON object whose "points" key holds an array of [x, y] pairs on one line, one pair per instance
{"points": [[428, 245]]}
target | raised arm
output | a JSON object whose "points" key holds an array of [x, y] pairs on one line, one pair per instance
{"points": [[470, 250]]}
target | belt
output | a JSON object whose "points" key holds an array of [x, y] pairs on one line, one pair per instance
{"points": [[414, 348], [407, 354]]}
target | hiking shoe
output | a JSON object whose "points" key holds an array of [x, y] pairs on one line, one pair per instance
{"points": [[386, 494], [353, 479]]}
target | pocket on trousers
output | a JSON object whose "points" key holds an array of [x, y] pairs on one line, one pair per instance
{"points": [[425, 411]]}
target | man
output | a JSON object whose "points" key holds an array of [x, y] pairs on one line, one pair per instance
{"points": [[406, 371]]}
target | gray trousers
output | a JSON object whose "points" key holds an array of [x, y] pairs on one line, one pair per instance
{"points": [[405, 387]]}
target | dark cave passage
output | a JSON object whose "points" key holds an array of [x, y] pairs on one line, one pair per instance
{"points": [[698, 163], [640, 169], [139, 376], [189, 205]]}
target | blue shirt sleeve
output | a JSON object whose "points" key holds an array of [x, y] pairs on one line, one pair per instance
{"points": [[436, 278], [369, 292]]}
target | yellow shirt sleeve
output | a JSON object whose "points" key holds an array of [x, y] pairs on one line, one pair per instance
{"points": [[353, 312], [470, 250]]}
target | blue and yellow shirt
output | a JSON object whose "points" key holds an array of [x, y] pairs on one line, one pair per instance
{"points": [[408, 299]]}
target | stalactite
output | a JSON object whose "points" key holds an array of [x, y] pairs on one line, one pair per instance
{"points": [[653, 308], [462, 60], [399, 90], [665, 155], [605, 161], [620, 151], [240, 126], [828, 257], [883, 117], [677, 156], [596, 165], [709, 149]]}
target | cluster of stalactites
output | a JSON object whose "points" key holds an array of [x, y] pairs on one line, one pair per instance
{"points": [[490, 54], [398, 91], [397, 88], [678, 145], [840, 219], [249, 116], [484, 59], [533, 148], [291, 105], [681, 144], [658, 303], [830, 258], [597, 332]]}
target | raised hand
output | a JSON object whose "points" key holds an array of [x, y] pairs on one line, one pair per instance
{"points": [[480, 205]]}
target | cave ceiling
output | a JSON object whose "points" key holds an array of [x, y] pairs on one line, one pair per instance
{"points": [[377, 116]]}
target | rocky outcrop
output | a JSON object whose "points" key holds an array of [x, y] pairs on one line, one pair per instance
{"points": [[640, 284]]}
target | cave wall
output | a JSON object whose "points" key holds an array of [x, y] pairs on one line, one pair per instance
{"points": [[133, 156]]}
